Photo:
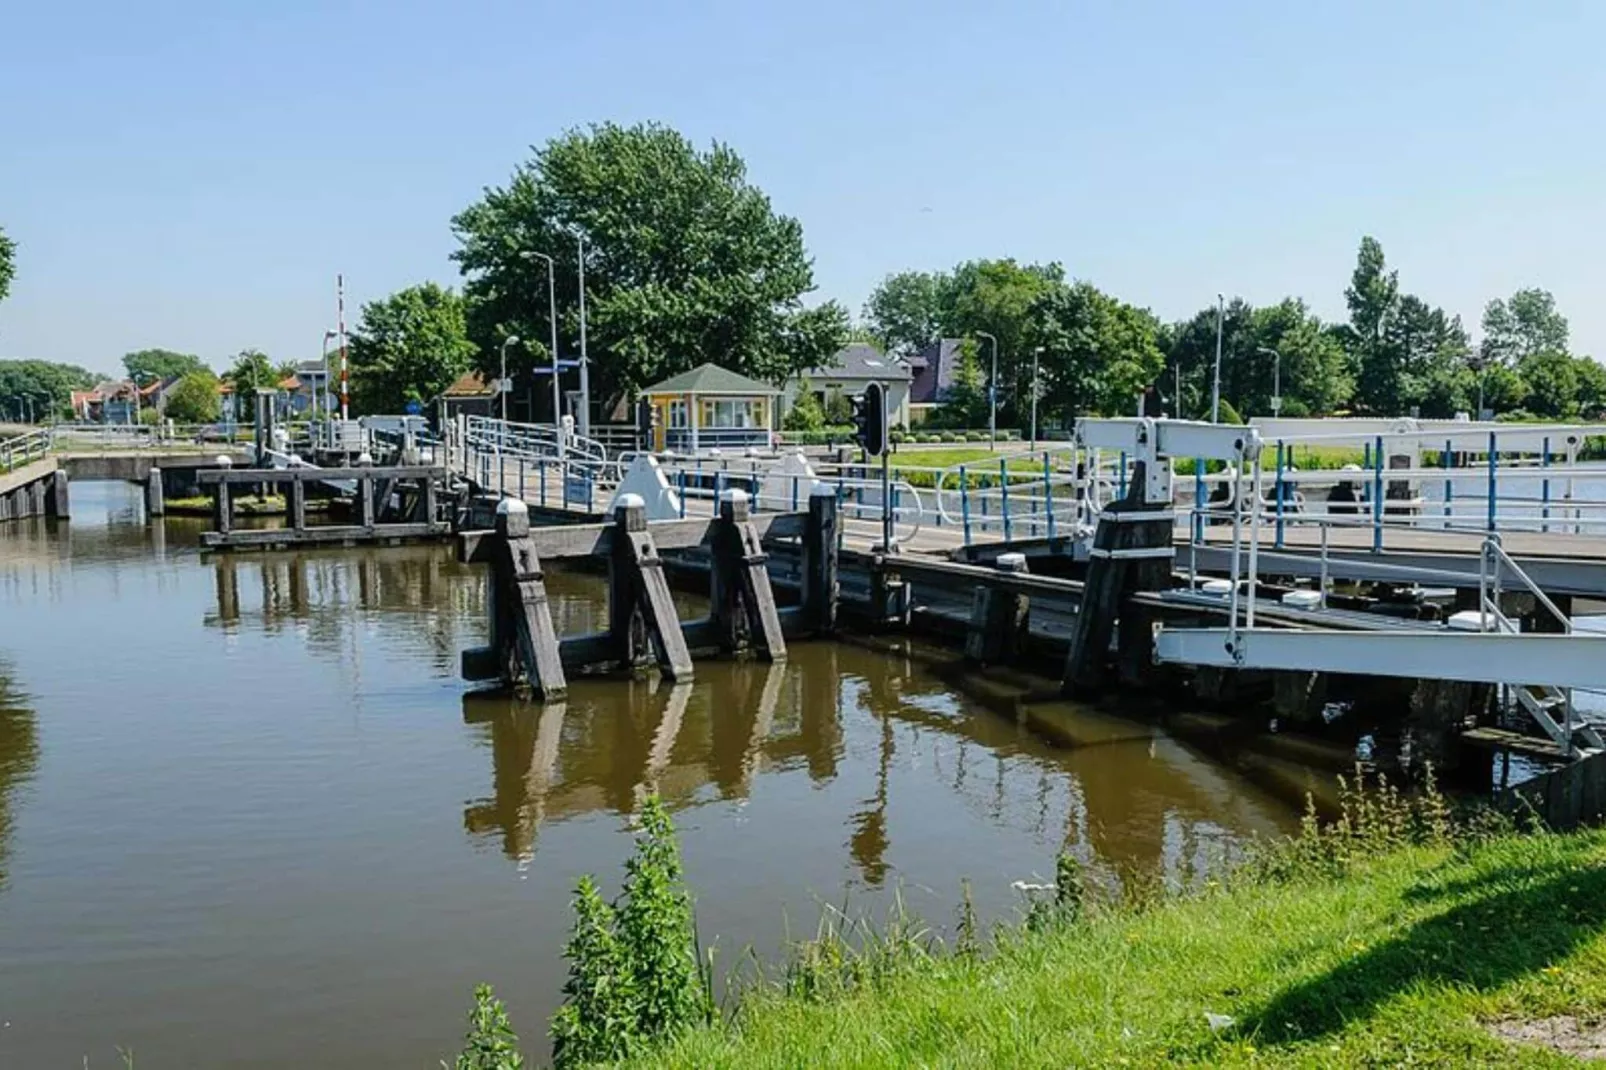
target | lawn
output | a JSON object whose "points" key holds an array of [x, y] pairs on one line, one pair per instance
{"points": [[1484, 955]]}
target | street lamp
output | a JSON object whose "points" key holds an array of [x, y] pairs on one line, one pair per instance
{"points": [[1276, 378], [501, 384], [552, 317], [992, 394], [1036, 354], [1215, 391], [323, 410]]}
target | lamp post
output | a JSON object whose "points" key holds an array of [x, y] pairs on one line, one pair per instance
{"points": [[992, 393], [501, 384], [323, 409], [585, 364], [552, 317], [1215, 391], [1036, 354], [1276, 378]]}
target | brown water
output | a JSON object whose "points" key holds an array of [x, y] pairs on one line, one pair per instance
{"points": [[250, 817]]}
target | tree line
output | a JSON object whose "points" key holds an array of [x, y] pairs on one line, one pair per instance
{"points": [[1396, 353]]}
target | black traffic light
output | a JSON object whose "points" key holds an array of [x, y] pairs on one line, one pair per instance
{"points": [[646, 423], [870, 419]]}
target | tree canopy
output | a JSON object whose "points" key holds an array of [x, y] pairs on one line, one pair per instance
{"points": [[41, 387], [905, 313], [8, 263], [251, 370], [194, 399], [685, 262], [146, 366], [409, 346]]}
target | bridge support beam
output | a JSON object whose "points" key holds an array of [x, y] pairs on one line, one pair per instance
{"points": [[999, 618], [642, 620], [744, 609]]}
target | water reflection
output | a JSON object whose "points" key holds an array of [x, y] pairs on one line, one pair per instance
{"points": [[19, 756]]}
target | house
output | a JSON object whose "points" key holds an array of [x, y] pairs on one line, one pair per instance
{"points": [[933, 369], [847, 373], [711, 407], [109, 402], [469, 395], [306, 390]]}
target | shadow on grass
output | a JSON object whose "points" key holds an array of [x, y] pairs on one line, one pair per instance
{"points": [[1481, 944]]}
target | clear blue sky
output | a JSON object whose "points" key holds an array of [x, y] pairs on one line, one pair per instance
{"points": [[192, 175]]}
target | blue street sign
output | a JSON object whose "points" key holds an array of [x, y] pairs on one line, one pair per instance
{"points": [[412, 408]]}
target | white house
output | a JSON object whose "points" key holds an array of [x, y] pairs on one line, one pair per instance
{"points": [[848, 372]]}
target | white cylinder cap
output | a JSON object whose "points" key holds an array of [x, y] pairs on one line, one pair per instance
{"points": [[631, 501], [822, 490], [364, 458], [224, 460], [752, 451], [733, 494], [1012, 562], [511, 506]]}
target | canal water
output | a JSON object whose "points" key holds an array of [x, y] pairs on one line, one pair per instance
{"points": [[250, 816]]}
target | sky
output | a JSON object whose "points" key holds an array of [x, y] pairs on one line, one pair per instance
{"points": [[194, 175]]}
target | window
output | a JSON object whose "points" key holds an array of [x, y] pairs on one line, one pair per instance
{"points": [[732, 412], [677, 413]]}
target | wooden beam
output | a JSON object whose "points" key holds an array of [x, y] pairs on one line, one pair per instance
{"points": [[320, 533], [596, 540], [208, 476]]}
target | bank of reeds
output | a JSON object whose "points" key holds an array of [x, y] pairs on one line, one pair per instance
{"points": [[1402, 931]]}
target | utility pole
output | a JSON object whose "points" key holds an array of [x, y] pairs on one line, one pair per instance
{"points": [[1176, 406], [340, 306], [1036, 354], [1215, 391], [502, 383], [1276, 378]]}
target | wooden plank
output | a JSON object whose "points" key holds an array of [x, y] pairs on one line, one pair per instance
{"points": [[518, 570], [596, 540], [314, 534], [744, 604]]}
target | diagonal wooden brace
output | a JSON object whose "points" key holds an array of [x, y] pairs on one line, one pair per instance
{"points": [[744, 602]]}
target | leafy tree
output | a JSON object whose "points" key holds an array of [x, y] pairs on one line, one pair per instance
{"points": [[147, 366], [1099, 353], [964, 403], [490, 1043], [1591, 386], [1427, 348], [996, 297], [1524, 326], [686, 262], [410, 346], [194, 399], [906, 311], [8, 263], [805, 413], [251, 371], [1371, 297], [1315, 369], [1502, 388], [838, 409], [41, 388], [1552, 380]]}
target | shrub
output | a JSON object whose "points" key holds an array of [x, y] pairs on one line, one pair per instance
{"points": [[490, 1043], [597, 1020]]}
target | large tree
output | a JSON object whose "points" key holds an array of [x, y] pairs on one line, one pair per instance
{"points": [[8, 263], [251, 371], [996, 297], [905, 312], [1371, 296], [1098, 353], [146, 366], [685, 262], [409, 347], [1523, 326]]}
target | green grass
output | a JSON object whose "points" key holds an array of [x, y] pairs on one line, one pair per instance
{"points": [[1407, 957]]}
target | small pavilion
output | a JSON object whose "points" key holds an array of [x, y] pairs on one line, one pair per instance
{"points": [[711, 407]]}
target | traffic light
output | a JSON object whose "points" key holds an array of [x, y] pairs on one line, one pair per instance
{"points": [[870, 419], [647, 423]]}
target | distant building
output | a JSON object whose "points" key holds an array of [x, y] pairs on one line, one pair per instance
{"points": [[711, 407], [470, 395], [108, 402], [847, 372]]}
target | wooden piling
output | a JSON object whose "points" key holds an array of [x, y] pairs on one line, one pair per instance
{"points": [[297, 501], [58, 503], [744, 610], [641, 611], [998, 618], [1131, 552], [524, 650], [155, 500], [822, 540]]}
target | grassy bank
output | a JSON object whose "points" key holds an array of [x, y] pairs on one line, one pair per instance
{"points": [[1419, 954]]}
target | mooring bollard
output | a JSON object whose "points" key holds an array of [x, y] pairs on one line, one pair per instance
{"points": [[524, 651], [998, 617], [743, 601]]}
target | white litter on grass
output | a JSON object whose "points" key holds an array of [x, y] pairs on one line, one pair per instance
{"points": [[1218, 1022]]}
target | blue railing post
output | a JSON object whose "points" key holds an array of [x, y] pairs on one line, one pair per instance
{"points": [[1198, 499], [1048, 493], [1449, 484], [1493, 464], [543, 484], [964, 502], [794, 493], [680, 483], [1377, 497], [1003, 491], [983, 489], [1544, 485], [1120, 478], [1278, 490]]}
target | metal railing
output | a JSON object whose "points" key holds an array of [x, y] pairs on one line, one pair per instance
{"points": [[24, 449]]}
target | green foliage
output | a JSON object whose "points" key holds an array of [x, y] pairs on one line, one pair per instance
{"points": [[838, 409], [1552, 379], [686, 262], [1229, 415], [490, 1043], [194, 399], [8, 263], [251, 370], [40, 385], [146, 366], [633, 971], [906, 311], [409, 346], [805, 413], [964, 403], [1099, 353], [149, 417], [597, 1022], [1524, 326]]}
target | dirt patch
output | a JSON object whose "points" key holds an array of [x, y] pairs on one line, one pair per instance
{"points": [[1563, 1033]]}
